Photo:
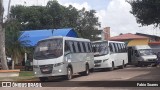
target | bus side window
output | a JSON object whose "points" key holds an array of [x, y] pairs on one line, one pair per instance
{"points": [[120, 47], [110, 47], [84, 47], [76, 47], [90, 46], [113, 48], [87, 48], [79, 47], [116, 48], [67, 47], [72, 46]]}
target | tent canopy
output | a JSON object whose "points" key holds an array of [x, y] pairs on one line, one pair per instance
{"points": [[33, 36]]}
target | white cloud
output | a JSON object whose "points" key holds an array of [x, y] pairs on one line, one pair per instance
{"points": [[24, 2], [29, 2], [43, 3], [118, 17], [79, 6]]}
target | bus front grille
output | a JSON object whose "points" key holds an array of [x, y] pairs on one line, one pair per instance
{"points": [[97, 61], [46, 69], [151, 60]]}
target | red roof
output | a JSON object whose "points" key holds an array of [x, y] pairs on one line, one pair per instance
{"points": [[127, 36], [154, 43]]}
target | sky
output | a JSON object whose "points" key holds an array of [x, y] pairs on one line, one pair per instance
{"points": [[111, 13]]}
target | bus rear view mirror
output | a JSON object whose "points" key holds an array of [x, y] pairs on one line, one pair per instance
{"points": [[66, 53]]}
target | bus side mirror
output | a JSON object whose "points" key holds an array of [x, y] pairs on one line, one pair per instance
{"points": [[66, 53]]}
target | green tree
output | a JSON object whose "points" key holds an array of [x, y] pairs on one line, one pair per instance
{"points": [[88, 24], [147, 12], [54, 15], [15, 43]]}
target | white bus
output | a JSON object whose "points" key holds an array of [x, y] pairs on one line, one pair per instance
{"points": [[109, 54], [62, 56]]}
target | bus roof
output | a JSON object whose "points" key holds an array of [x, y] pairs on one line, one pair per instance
{"points": [[106, 41], [66, 38], [142, 47]]}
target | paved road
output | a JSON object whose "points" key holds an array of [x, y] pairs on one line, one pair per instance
{"points": [[130, 73]]}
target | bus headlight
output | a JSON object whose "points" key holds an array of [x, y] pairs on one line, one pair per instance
{"points": [[58, 64], [105, 60]]}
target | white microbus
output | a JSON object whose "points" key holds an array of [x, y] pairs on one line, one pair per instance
{"points": [[62, 56], [140, 55], [109, 54]]}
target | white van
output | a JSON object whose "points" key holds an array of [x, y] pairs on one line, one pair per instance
{"points": [[141, 55], [109, 54], [62, 56]]}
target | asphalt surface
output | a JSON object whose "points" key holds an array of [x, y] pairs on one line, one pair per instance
{"points": [[119, 79]]}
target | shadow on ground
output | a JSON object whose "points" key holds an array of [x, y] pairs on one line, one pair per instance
{"points": [[152, 76]]}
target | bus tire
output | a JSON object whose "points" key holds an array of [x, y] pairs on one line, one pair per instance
{"points": [[112, 68], [122, 66], [43, 79], [69, 75], [86, 72]]}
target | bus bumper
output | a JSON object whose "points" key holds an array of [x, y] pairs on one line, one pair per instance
{"points": [[60, 71], [148, 62], [102, 64]]}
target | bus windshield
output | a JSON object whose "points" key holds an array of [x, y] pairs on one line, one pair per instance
{"points": [[48, 49], [100, 49], [144, 52]]}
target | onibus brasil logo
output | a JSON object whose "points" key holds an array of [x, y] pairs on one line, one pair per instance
{"points": [[20, 84]]}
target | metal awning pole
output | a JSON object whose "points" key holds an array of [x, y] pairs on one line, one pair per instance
{"points": [[25, 57]]}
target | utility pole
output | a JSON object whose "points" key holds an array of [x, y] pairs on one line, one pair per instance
{"points": [[2, 39], [37, 2], [8, 15]]}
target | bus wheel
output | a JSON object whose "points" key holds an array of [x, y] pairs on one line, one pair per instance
{"points": [[69, 74], [122, 65], [86, 72], [112, 68], [43, 79]]}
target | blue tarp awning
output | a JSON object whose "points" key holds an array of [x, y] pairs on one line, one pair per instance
{"points": [[35, 35]]}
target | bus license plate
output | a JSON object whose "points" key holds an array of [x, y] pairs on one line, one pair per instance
{"points": [[97, 65], [45, 70]]}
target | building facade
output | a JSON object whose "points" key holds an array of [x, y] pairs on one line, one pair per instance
{"points": [[131, 39]]}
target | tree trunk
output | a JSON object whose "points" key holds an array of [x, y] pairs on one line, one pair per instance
{"points": [[12, 64], [2, 38], [16, 61]]}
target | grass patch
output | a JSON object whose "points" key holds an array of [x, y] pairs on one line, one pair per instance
{"points": [[23, 76], [26, 78], [26, 73]]}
